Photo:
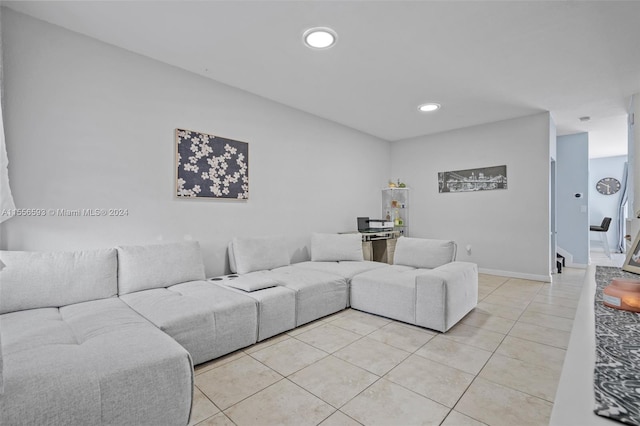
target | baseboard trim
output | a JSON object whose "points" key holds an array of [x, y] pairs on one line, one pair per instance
{"points": [[511, 274]]}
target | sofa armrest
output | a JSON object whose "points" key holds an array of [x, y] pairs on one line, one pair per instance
{"points": [[444, 295], [1, 376]]}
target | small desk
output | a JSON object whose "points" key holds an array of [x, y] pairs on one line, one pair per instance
{"points": [[379, 246]]}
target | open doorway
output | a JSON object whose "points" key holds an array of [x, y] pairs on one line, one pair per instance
{"points": [[608, 184]]}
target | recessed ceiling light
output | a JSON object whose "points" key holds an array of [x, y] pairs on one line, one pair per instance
{"points": [[320, 37], [428, 107], [585, 118]]}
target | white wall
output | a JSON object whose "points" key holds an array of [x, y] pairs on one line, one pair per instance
{"points": [[508, 230], [601, 206], [633, 147], [553, 198], [90, 125], [573, 178], [633, 134]]}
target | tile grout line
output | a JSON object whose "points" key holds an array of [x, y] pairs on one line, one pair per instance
{"points": [[214, 404], [350, 363], [368, 371], [253, 394]]}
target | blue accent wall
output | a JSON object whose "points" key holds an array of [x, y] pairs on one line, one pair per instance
{"points": [[573, 178]]}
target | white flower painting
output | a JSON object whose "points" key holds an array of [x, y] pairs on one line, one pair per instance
{"points": [[211, 166]]}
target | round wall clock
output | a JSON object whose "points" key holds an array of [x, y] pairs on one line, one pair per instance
{"points": [[608, 186]]}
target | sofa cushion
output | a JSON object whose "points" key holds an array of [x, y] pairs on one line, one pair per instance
{"points": [[207, 320], [347, 269], [159, 265], [276, 306], [258, 254], [336, 247], [232, 258], [318, 294], [424, 253], [1, 380], [40, 280], [92, 363]]}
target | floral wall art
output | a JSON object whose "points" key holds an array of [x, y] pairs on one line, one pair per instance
{"points": [[211, 167]]}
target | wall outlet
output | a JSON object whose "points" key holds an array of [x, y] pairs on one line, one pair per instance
{"points": [[468, 248]]}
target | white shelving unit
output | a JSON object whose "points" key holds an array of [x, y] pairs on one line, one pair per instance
{"points": [[395, 207]]}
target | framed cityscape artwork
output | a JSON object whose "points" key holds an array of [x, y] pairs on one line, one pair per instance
{"points": [[482, 179], [211, 167]]}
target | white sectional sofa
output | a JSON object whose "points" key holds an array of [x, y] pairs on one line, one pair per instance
{"points": [[84, 335]]}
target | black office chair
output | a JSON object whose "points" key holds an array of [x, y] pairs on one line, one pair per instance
{"points": [[602, 229]]}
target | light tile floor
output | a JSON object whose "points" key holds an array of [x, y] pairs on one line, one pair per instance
{"points": [[499, 366], [598, 257]]}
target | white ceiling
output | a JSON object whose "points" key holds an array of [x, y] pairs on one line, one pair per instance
{"points": [[483, 61]]}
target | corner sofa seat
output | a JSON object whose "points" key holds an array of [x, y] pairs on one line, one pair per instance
{"points": [[207, 320], [74, 354], [346, 269], [424, 287], [339, 254]]}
